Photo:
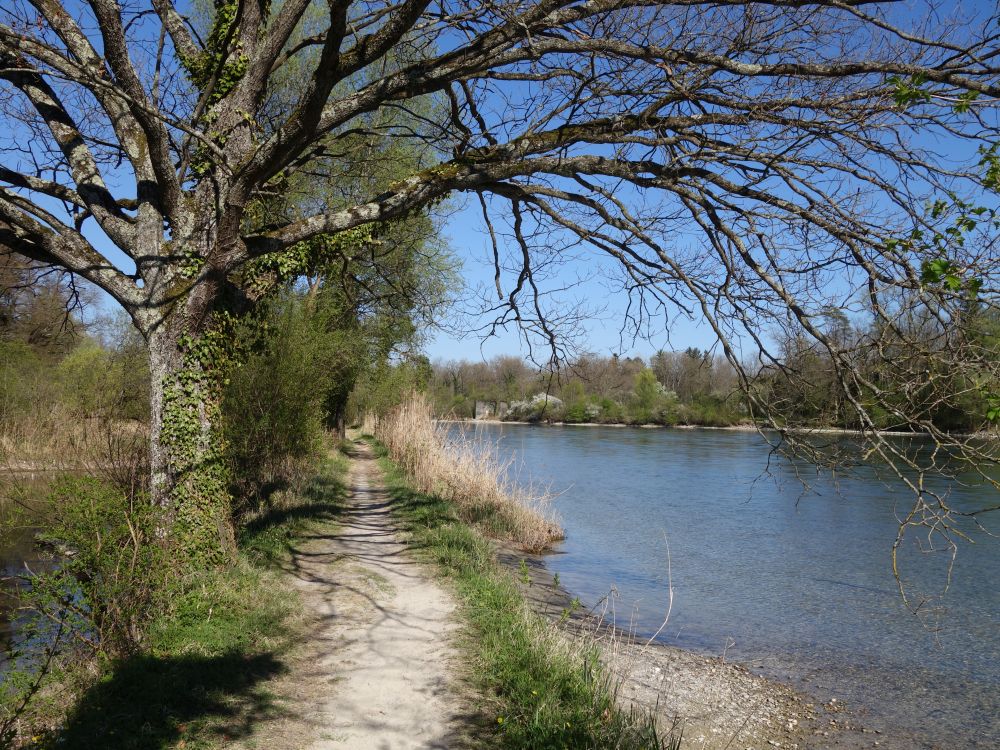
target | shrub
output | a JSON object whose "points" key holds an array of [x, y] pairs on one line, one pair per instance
{"points": [[540, 406], [272, 420], [108, 585], [576, 413], [113, 570]]}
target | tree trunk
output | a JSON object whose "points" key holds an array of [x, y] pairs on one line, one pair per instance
{"points": [[189, 478]]}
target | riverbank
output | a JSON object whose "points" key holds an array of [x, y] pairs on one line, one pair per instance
{"points": [[719, 703], [721, 428], [703, 702], [791, 581], [201, 677]]}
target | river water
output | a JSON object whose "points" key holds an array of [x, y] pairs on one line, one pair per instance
{"points": [[20, 495], [793, 583]]}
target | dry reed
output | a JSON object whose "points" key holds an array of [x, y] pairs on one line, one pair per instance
{"points": [[469, 474], [58, 441]]}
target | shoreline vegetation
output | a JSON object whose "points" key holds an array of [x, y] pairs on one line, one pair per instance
{"points": [[199, 674], [543, 689], [983, 434], [470, 476], [696, 388]]}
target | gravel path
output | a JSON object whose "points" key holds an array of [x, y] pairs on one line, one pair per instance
{"points": [[377, 672]]}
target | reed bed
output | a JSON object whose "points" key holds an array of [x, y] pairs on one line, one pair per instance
{"points": [[471, 475], [58, 442]]}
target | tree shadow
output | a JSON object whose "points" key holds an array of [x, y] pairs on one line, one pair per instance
{"points": [[156, 700], [270, 535], [153, 702]]}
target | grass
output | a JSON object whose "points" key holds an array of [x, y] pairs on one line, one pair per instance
{"points": [[547, 691], [202, 680], [471, 476]]}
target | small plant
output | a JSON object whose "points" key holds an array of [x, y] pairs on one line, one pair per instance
{"points": [[524, 574]]}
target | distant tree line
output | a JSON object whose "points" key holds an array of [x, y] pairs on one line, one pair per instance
{"points": [[897, 368], [802, 386], [687, 387]]}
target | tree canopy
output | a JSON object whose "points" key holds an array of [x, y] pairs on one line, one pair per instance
{"points": [[751, 163]]}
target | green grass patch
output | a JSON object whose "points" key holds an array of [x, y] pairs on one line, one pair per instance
{"points": [[266, 537], [202, 681], [547, 691]]}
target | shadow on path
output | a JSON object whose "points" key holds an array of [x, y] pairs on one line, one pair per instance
{"points": [[213, 683]]}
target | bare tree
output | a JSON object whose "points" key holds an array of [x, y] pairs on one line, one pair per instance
{"points": [[741, 161]]}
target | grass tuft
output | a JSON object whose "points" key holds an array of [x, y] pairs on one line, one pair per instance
{"points": [[471, 476]]}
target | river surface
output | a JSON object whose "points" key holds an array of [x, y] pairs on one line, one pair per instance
{"points": [[19, 496], [795, 583]]}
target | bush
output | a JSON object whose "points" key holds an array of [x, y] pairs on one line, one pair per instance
{"points": [[576, 413], [112, 573], [273, 409], [108, 586]]}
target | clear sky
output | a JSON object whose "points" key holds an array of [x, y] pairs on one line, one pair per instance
{"points": [[582, 279], [585, 280]]}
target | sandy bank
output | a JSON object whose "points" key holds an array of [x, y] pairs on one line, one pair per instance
{"points": [[719, 704]]}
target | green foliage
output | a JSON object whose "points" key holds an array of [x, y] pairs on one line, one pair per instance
{"points": [[545, 694], [23, 381], [965, 100], [109, 585], [218, 63], [648, 391], [909, 91], [595, 390], [210, 638], [990, 162], [272, 426], [942, 271], [307, 258], [191, 435], [224, 634]]}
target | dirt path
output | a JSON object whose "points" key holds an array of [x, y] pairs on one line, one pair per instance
{"points": [[378, 663]]}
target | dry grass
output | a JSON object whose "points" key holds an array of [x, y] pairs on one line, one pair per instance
{"points": [[469, 474], [56, 441]]}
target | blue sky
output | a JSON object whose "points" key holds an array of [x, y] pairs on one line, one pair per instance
{"points": [[593, 286], [586, 278]]}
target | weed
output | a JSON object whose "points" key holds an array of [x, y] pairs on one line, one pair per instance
{"points": [[523, 573]]}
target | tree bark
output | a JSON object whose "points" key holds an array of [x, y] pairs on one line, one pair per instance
{"points": [[189, 479]]}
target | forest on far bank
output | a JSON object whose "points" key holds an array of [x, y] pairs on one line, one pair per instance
{"points": [[701, 387]]}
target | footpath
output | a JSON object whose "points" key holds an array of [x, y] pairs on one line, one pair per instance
{"points": [[377, 672]]}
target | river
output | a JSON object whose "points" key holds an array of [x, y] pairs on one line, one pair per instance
{"points": [[795, 583], [20, 495]]}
